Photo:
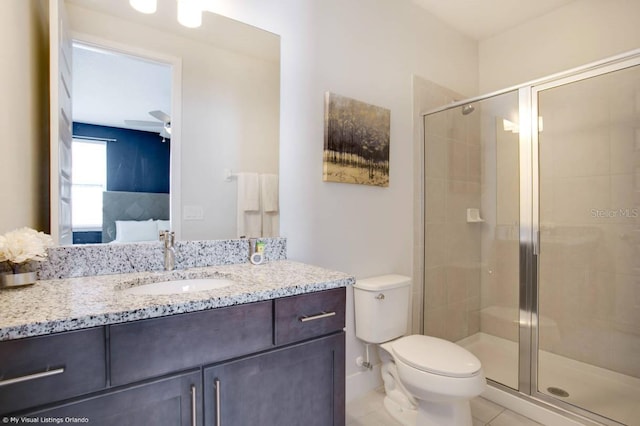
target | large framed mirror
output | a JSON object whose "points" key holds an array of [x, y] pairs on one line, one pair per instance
{"points": [[221, 106]]}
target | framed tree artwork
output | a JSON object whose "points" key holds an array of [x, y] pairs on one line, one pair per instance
{"points": [[356, 142]]}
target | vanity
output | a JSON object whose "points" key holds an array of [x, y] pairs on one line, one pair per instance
{"points": [[266, 350]]}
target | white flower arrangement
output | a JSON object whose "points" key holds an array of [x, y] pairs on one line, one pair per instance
{"points": [[24, 245]]}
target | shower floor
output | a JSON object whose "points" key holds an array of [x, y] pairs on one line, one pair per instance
{"points": [[607, 393]]}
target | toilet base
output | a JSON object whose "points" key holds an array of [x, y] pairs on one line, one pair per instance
{"points": [[404, 415], [452, 413]]}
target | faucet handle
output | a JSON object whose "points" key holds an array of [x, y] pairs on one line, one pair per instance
{"points": [[168, 237]]}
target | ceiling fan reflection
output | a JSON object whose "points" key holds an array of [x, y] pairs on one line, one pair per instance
{"points": [[164, 122]]}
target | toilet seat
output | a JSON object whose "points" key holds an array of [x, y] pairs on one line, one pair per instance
{"points": [[436, 356]]}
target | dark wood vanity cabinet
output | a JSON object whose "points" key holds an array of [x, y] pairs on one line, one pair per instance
{"points": [[173, 401], [276, 362], [301, 385], [301, 382]]}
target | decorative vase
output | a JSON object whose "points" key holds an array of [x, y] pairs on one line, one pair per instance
{"points": [[17, 280]]}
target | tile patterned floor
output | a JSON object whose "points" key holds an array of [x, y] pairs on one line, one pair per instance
{"points": [[369, 411]]}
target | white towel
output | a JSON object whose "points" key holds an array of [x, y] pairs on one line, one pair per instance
{"points": [[270, 224], [249, 216], [249, 224], [248, 192], [270, 207], [269, 192]]}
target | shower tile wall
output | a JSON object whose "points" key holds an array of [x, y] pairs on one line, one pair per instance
{"points": [[452, 246], [590, 229]]}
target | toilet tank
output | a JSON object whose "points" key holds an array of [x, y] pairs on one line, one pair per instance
{"points": [[381, 307]]}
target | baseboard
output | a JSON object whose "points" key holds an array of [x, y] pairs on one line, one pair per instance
{"points": [[363, 382]]}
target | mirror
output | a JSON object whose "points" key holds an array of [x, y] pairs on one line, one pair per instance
{"points": [[224, 111], [121, 145]]}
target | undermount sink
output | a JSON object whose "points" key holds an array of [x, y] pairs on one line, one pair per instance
{"points": [[180, 286]]}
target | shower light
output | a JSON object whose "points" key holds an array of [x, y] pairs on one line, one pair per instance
{"points": [[144, 6], [190, 13]]}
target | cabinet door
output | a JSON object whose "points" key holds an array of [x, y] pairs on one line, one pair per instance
{"points": [[175, 401], [301, 385]]}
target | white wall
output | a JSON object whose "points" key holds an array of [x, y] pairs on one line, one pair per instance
{"points": [[581, 32], [23, 117], [230, 115], [367, 50]]}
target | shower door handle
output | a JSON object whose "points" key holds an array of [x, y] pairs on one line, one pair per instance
{"points": [[536, 242]]}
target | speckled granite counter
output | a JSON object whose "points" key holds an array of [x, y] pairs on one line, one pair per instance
{"points": [[52, 306]]}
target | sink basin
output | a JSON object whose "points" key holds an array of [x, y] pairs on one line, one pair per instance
{"points": [[180, 286]]}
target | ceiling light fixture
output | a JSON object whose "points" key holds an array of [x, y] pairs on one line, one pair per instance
{"points": [[144, 6], [190, 13]]}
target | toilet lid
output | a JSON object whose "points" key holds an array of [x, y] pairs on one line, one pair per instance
{"points": [[437, 356]]}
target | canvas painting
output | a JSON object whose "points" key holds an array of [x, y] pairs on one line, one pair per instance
{"points": [[356, 142]]}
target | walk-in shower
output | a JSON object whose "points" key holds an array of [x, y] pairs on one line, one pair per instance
{"points": [[532, 237]]}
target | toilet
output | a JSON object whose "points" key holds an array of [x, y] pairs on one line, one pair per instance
{"points": [[428, 381]]}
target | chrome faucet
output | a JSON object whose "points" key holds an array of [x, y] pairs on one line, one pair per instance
{"points": [[168, 238]]}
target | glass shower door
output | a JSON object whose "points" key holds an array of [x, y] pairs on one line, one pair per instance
{"points": [[471, 293], [588, 322]]}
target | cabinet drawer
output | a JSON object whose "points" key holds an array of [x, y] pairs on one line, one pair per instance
{"points": [[153, 347], [39, 370], [309, 315]]}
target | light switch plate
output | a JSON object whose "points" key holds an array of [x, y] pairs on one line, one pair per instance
{"points": [[192, 213]]}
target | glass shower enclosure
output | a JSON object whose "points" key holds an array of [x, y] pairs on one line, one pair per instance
{"points": [[532, 237]]}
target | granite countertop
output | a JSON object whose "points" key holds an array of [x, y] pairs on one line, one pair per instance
{"points": [[52, 306]]}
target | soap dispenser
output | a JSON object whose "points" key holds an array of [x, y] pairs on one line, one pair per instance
{"points": [[256, 251]]}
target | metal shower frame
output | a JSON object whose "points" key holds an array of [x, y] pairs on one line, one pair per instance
{"points": [[529, 226]]}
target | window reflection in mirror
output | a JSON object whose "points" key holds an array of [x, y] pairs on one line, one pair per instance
{"points": [[88, 182]]}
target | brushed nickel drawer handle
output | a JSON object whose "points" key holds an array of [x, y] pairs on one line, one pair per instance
{"points": [[316, 317], [194, 412], [33, 376], [216, 384]]}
